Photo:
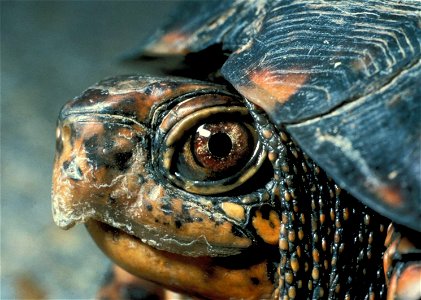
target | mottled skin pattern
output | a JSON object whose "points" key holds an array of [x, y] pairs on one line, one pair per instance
{"points": [[213, 193], [106, 174], [92, 181]]}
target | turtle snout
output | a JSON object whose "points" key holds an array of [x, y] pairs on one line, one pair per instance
{"points": [[95, 159]]}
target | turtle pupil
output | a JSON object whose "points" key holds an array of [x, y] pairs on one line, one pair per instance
{"points": [[220, 144]]}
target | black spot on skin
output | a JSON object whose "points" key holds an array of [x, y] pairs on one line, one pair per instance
{"points": [[250, 257], [136, 292], [235, 231], [210, 271], [59, 145], [255, 280], [74, 134], [185, 215], [185, 209], [111, 200], [91, 147], [265, 211], [149, 207], [148, 91], [141, 179], [124, 107], [116, 235], [101, 151], [265, 214], [122, 160], [166, 208], [178, 224]]}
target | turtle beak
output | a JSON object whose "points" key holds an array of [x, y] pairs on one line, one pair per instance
{"points": [[93, 165]]}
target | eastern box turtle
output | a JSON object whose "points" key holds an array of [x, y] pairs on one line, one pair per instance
{"points": [[275, 170]]}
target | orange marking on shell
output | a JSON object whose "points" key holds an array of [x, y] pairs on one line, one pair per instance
{"points": [[390, 196], [269, 89], [174, 37], [171, 43], [267, 229]]}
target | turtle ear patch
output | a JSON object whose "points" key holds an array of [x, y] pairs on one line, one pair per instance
{"points": [[267, 225]]}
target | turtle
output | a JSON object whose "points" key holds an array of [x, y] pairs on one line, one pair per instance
{"points": [[286, 166]]}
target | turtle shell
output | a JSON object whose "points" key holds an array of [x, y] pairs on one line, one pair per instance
{"points": [[342, 77]]}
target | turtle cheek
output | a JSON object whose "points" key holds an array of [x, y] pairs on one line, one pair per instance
{"points": [[267, 224]]}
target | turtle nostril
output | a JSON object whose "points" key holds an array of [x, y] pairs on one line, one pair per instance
{"points": [[220, 144], [72, 170], [122, 160]]}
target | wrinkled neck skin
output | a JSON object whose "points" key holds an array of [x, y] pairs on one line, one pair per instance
{"points": [[276, 226]]}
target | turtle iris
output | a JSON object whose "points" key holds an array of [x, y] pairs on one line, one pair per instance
{"points": [[222, 146], [211, 146]]}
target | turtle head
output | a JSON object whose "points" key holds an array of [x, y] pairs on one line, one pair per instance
{"points": [[154, 170]]}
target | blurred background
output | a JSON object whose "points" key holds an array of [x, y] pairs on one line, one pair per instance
{"points": [[51, 52]]}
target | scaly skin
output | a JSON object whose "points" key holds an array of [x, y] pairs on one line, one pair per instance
{"points": [[287, 231]]}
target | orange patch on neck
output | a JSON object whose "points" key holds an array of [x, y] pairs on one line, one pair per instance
{"points": [[267, 229], [269, 89]]}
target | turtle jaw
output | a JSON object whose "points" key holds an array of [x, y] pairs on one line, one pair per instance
{"points": [[202, 276]]}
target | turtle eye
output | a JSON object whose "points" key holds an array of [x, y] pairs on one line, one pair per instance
{"points": [[220, 147], [214, 150], [208, 145]]}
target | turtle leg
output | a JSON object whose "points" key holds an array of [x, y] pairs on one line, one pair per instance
{"points": [[402, 263], [121, 285]]}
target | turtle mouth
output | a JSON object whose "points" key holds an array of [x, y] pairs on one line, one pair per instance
{"points": [[138, 257], [109, 237], [203, 275], [139, 234]]}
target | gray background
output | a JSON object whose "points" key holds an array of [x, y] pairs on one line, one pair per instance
{"points": [[51, 52]]}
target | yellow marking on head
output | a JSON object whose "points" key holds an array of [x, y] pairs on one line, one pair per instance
{"points": [[234, 211]]}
